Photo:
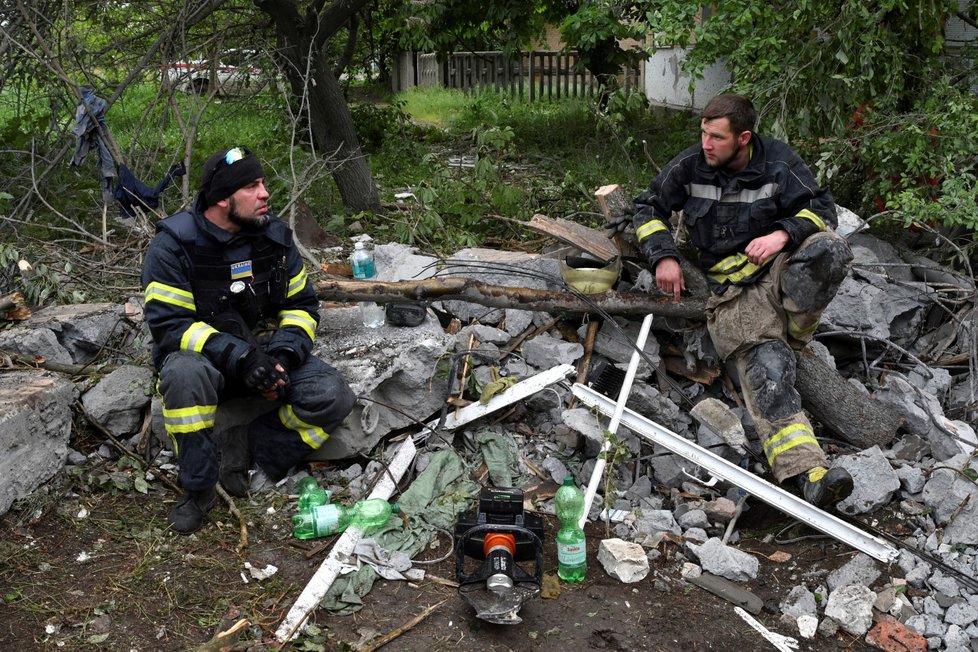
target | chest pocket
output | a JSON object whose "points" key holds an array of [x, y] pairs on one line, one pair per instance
{"points": [[699, 222], [731, 223]]}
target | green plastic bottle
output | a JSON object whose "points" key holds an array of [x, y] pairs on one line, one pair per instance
{"points": [[324, 520], [571, 546], [311, 494]]}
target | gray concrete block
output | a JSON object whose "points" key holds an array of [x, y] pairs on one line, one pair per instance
{"points": [[35, 425]]}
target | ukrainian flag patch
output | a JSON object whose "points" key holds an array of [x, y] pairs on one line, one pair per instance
{"points": [[241, 270]]}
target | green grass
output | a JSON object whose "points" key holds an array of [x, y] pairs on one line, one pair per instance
{"points": [[546, 157]]}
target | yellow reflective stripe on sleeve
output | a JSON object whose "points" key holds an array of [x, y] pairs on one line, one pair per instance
{"points": [[168, 294], [195, 337], [299, 318], [787, 438], [314, 436], [297, 283], [797, 332], [806, 214], [650, 227], [732, 269], [189, 419]]}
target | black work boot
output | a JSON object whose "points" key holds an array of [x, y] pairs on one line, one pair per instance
{"points": [[825, 487], [188, 515], [235, 461]]}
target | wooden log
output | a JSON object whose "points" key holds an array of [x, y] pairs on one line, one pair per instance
{"points": [[612, 201], [840, 407], [629, 304], [586, 239]]}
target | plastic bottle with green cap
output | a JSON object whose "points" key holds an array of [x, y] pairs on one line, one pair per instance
{"points": [[571, 546], [324, 520]]}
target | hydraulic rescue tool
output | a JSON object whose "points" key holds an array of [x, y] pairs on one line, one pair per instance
{"points": [[499, 535]]}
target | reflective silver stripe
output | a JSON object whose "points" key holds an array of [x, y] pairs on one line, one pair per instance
{"points": [[196, 336], [314, 436], [650, 227], [168, 294], [299, 318], [751, 195], [787, 438], [297, 282], [703, 191], [190, 419], [743, 196]]}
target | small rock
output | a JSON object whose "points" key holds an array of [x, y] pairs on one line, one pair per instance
{"points": [[927, 625], [623, 560], [874, 481], [798, 602], [961, 614], [722, 560], [861, 569], [658, 520], [695, 518], [721, 510], [807, 626], [690, 570]]}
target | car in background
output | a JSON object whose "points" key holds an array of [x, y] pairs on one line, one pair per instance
{"points": [[236, 73]]}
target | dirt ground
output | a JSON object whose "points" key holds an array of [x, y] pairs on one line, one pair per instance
{"points": [[85, 565]]}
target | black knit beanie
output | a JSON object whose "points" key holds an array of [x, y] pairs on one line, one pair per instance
{"points": [[219, 180]]}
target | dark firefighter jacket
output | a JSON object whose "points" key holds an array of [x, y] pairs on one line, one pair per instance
{"points": [[187, 275], [724, 212]]}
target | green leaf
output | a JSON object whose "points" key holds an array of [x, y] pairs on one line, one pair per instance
{"points": [[841, 56], [96, 639], [970, 473], [6, 195], [140, 484]]}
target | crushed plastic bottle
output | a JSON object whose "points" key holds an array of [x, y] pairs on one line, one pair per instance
{"points": [[324, 520]]}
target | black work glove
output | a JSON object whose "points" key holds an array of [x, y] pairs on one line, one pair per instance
{"points": [[258, 373], [620, 220]]}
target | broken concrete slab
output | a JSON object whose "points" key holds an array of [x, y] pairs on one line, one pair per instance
{"points": [[118, 400], [35, 426], [36, 343], [393, 369], [85, 329]]}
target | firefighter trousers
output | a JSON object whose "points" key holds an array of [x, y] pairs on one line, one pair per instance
{"points": [[757, 328], [316, 401]]}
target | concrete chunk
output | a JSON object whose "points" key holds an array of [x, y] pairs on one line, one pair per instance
{"points": [[861, 569], [117, 402], [852, 607], [35, 425], [722, 560], [623, 560], [874, 481]]}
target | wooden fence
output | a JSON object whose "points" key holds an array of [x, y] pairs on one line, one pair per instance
{"points": [[534, 76]]}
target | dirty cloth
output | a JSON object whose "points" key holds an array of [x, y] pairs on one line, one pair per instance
{"points": [[88, 131], [131, 193], [432, 502]]}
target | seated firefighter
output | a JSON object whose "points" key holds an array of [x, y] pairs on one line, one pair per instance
{"points": [[231, 314], [764, 232]]}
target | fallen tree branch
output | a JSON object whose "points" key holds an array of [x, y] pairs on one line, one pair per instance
{"points": [[496, 296], [91, 369], [390, 636]]}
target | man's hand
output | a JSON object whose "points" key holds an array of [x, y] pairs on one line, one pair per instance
{"points": [[760, 249], [618, 222], [262, 374], [669, 277]]}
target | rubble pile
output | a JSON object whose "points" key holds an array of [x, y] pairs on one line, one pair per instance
{"points": [[901, 330]]}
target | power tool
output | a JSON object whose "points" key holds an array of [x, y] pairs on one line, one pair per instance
{"points": [[497, 537]]}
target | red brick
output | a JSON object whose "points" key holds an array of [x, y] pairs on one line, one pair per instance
{"points": [[893, 636]]}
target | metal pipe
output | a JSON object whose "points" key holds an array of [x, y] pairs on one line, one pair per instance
{"points": [[626, 388]]}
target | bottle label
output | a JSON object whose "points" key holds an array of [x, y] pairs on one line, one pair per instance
{"points": [[325, 519], [571, 554]]}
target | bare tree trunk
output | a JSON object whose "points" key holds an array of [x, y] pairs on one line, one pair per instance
{"points": [[301, 40]]}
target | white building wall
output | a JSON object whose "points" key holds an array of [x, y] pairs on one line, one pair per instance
{"points": [[667, 85]]}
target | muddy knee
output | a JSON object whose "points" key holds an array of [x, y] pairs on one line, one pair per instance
{"points": [[814, 273], [770, 368]]}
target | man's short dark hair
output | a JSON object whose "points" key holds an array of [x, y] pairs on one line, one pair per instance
{"points": [[736, 108]]}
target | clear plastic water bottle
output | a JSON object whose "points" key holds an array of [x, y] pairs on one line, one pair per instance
{"points": [[571, 546], [324, 520], [311, 494], [364, 269]]}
